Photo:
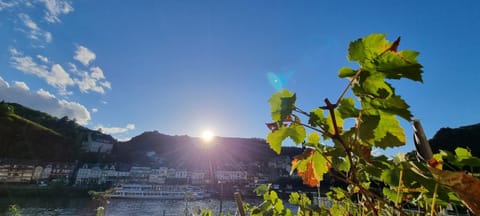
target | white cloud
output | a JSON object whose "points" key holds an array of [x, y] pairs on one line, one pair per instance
{"points": [[56, 76], [7, 4], [35, 32], [93, 81], [115, 130], [21, 85], [45, 94], [123, 139], [42, 58], [94, 110], [55, 8], [84, 55], [44, 101]]}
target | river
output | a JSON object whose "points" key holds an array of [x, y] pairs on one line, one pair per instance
{"points": [[62, 206]]}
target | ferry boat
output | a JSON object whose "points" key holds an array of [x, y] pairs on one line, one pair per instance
{"points": [[153, 191]]}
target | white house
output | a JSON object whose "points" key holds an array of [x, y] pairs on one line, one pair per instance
{"points": [[231, 176], [158, 175], [197, 177], [97, 142]]}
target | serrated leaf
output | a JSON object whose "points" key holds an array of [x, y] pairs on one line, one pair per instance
{"points": [[375, 85], [347, 108], [376, 44], [462, 153], [346, 72], [320, 164], [390, 194], [382, 130], [313, 139], [338, 209], [282, 104], [389, 133], [400, 65], [295, 132], [344, 165], [394, 104], [336, 193], [294, 198], [311, 166], [390, 176], [356, 51], [317, 117], [262, 189]]}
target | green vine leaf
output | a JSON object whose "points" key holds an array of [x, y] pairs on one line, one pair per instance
{"points": [[396, 65], [382, 130], [374, 84], [346, 72], [282, 104], [296, 132], [317, 118], [394, 105], [313, 139], [347, 108]]}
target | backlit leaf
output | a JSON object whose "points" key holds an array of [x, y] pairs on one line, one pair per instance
{"points": [[275, 138], [313, 139], [346, 72], [311, 166], [282, 104], [394, 105], [356, 51], [317, 117], [396, 66], [382, 131], [262, 189], [347, 108], [462, 153], [375, 85]]}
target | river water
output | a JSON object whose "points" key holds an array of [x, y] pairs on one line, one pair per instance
{"points": [[61, 206]]}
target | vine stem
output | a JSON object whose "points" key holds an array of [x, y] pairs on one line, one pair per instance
{"points": [[348, 86], [432, 211], [399, 189]]}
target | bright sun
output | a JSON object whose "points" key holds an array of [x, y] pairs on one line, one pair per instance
{"points": [[207, 135]]}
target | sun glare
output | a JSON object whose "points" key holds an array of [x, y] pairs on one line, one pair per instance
{"points": [[207, 135]]}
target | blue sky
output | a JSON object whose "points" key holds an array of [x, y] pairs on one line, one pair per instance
{"points": [[181, 67]]}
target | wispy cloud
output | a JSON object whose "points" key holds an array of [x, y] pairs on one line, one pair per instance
{"points": [[44, 101], [94, 110], [42, 58], [34, 32], [84, 55], [115, 130], [7, 4], [56, 76], [55, 8]]}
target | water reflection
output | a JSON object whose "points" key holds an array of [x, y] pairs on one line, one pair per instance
{"points": [[44, 206]]}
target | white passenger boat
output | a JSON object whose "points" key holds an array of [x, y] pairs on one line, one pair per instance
{"points": [[153, 191]]}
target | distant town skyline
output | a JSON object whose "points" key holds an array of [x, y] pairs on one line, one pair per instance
{"points": [[185, 67]]}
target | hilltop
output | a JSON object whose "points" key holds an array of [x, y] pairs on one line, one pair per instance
{"points": [[185, 151], [451, 138], [30, 134]]}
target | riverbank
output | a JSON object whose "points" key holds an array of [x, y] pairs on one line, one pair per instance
{"points": [[21, 190]]}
